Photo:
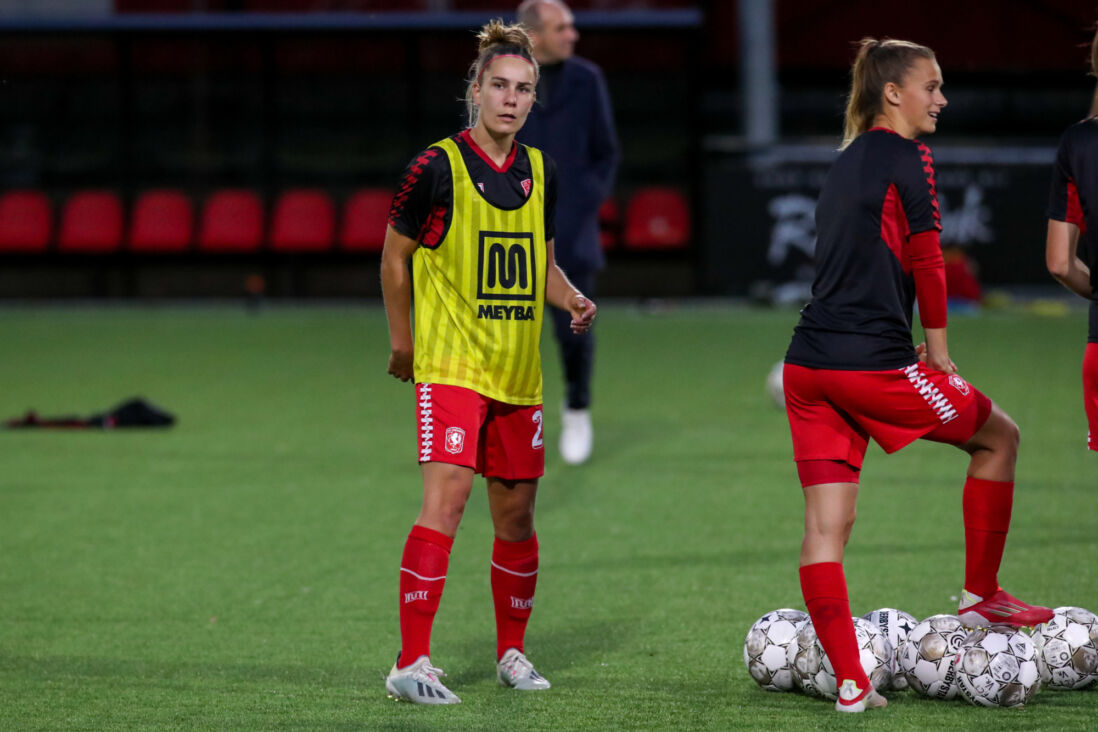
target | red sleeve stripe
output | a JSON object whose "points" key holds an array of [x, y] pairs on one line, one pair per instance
{"points": [[415, 170], [1075, 207], [928, 171]]}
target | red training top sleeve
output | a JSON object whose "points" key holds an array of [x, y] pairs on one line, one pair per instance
{"points": [[1063, 196], [421, 207], [928, 271]]}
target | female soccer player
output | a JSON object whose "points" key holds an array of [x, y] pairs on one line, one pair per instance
{"points": [[852, 372], [1071, 216], [474, 215]]}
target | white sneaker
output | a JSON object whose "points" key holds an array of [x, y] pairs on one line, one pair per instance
{"points": [[576, 435], [419, 684], [516, 671], [850, 691]]}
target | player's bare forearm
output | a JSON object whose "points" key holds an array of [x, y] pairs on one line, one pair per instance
{"points": [[1062, 259], [396, 288], [561, 293]]}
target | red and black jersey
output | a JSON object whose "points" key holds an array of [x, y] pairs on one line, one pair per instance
{"points": [[1074, 197], [422, 206], [878, 196]]}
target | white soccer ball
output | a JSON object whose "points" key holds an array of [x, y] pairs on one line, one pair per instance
{"points": [[894, 625], [774, 384], [765, 650], [997, 667], [877, 654], [926, 657], [806, 659], [1067, 649], [812, 669]]}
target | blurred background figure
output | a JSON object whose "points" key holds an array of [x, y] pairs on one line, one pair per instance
{"points": [[573, 123], [1071, 221]]}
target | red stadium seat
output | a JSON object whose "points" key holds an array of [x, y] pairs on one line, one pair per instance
{"points": [[304, 221], [609, 223], [657, 218], [91, 223], [163, 221], [25, 223], [365, 217], [232, 221]]}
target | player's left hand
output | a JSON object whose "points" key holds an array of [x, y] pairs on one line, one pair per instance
{"points": [[583, 313]]}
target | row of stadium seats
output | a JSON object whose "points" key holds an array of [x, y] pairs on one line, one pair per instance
{"points": [[302, 221], [163, 221]]}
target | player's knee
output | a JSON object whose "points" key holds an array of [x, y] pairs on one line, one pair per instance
{"points": [[849, 526], [835, 526], [515, 523], [1009, 436]]}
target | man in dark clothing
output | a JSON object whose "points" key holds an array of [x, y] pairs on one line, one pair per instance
{"points": [[572, 121]]}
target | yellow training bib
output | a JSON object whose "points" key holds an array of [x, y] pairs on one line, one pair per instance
{"points": [[480, 293]]}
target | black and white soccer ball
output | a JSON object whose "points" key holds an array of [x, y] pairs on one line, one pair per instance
{"points": [[812, 669], [894, 625], [1067, 649], [926, 657], [997, 667], [765, 650], [806, 658], [876, 652]]}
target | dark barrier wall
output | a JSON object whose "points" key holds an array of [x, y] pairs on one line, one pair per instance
{"points": [[761, 229]]}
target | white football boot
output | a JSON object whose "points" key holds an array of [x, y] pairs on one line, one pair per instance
{"points": [[516, 671], [850, 691], [576, 437], [419, 684]]}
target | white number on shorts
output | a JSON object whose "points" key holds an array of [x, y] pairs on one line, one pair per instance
{"points": [[536, 442]]}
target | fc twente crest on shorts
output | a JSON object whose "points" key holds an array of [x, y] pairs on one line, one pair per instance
{"points": [[455, 440], [959, 384], [526, 186]]}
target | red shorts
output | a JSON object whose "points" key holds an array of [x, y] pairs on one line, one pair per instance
{"points": [[832, 413], [1090, 393], [462, 427]]}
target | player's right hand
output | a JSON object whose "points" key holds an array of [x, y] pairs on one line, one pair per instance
{"points": [[400, 364], [944, 364]]}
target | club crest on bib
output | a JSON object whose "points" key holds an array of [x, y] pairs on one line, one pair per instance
{"points": [[455, 440], [526, 186], [959, 384]]}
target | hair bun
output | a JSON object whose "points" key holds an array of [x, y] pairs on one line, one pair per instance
{"points": [[496, 33]]}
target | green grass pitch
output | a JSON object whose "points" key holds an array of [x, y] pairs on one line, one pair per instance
{"points": [[239, 571]]}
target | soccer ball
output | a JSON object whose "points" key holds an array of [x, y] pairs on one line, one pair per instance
{"points": [[877, 656], [894, 625], [774, 384], [765, 650], [926, 657], [1067, 649], [806, 659], [997, 667], [812, 669]]}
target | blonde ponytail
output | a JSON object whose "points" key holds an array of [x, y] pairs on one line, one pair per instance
{"points": [[878, 62]]}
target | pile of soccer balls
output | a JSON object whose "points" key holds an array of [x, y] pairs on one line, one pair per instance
{"points": [[938, 658]]}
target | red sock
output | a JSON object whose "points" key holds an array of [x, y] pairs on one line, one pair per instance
{"points": [[422, 577], [514, 576], [987, 505], [824, 589]]}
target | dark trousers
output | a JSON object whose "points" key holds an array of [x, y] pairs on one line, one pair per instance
{"points": [[577, 352]]}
